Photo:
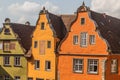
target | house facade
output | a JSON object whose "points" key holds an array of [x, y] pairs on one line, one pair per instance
{"points": [[90, 50], [47, 34], [12, 51]]}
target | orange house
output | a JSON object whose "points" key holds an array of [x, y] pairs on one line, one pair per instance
{"points": [[91, 48], [46, 36]]}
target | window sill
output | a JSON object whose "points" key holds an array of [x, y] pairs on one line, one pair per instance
{"points": [[17, 66], [96, 73], [48, 70], [7, 65], [79, 72]]}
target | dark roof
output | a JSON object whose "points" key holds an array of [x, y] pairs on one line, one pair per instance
{"points": [[109, 28], [24, 32], [57, 25]]}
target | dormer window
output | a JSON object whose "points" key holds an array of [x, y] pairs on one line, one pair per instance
{"points": [[42, 26], [7, 31], [82, 21]]}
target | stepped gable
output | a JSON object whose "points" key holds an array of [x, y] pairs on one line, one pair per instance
{"points": [[24, 33], [109, 28]]}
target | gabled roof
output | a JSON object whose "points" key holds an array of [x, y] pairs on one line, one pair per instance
{"points": [[109, 27], [56, 23], [24, 33]]}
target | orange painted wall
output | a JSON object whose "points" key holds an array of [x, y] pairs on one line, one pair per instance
{"points": [[46, 35], [109, 75], [66, 68], [65, 65]]}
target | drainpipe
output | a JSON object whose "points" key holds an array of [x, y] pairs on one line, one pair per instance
{"points": [[103, 69]]}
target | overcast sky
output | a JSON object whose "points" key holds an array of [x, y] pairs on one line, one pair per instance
{"points": [[20, 11]]}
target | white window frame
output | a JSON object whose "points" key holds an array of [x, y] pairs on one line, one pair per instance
{"points": [[7, 77], [92, 39], [78, 65], [17, 77], [92, 64], [114, 66], [17, 61], [47, 65], [37, 64], [6, 60], [83, 39], [75, 39]]}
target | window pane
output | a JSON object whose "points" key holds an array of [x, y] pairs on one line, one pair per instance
{"points": [[48, 65], [35, 44], [83, 39], [92, 66], [49, 44], [42, 26], [17, 61], [75, 39], [6, 45], [37, 64], [77, 65], [6, 60], [114, 66], [92, 39], [82, 21]]}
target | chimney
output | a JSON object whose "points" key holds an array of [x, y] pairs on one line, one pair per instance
{"points": [[7, 20], [27, 23], [104, 15]]}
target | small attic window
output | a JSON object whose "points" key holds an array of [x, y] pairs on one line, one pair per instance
{"points": [[7, 31], [42, 26], [82, 21]]}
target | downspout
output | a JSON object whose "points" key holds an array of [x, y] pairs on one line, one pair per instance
{"points": [[103, 77]]}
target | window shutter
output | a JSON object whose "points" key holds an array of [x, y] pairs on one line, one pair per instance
{"points": [[42, 47], [12, 46]]}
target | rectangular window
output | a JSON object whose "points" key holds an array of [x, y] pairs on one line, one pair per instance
{"points": [[1, 45], [48, 44], [17, 77], [82, 21], [114, 66], [83, 39], [47, 65], [75, 39], [35, 44], [78, 65], [42, 47], [17, 61], [92, 39], [6, 60], [6, 45], [30, 78], [39, 79], [42, 26], [7, 77], [37, 64], [93, 66]]}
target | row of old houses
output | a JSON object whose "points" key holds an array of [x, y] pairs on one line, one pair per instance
{"points": [[80, 46]]}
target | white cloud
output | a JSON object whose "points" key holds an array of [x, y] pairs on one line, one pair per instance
{"points": [[29, 10], [111, 7], [51, 7]]}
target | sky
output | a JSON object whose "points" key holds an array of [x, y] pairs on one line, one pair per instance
{"points": [[20, 11]]}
